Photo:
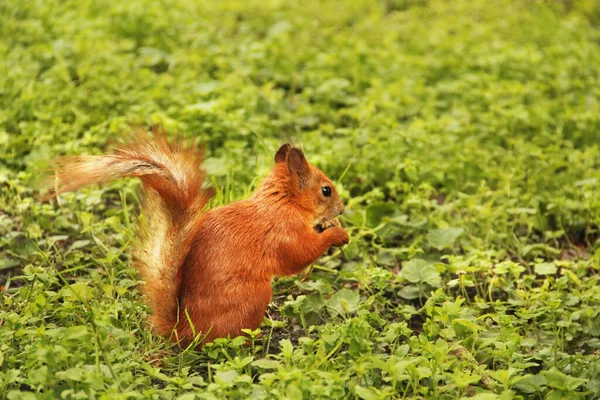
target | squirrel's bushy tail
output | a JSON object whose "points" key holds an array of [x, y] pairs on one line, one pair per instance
{"points": [[175, 198]]}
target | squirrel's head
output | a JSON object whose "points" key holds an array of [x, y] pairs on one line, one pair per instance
{"points": [[309, 188]]}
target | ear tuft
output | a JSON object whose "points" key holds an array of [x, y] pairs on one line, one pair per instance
{"points": [[282, 153], [298, 166]]}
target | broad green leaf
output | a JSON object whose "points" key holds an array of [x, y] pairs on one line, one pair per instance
{"points": [[443, 238], [377, 213], [343, 302], [558, 380], [421, 271], [74, 374], [186, 396], [226, 376], [410, 292], [75, 335], [293, 392], [21, 395], [78, 244], [462, 379], [464, 328], [531, 383], [366, 393], [545, 268], [264, 363]]}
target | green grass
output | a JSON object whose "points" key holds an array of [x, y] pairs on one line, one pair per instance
{"points": [[463, 136]]}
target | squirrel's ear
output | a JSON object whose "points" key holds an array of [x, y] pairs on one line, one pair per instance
{"points": [[282, 153], [298, 166]]}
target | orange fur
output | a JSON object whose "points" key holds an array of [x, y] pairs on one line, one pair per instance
{"points": [[214, 266]]}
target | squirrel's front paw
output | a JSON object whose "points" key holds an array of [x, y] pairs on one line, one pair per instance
{"points": [[337, 236]]}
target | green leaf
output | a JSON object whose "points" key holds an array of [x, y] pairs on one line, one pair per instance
{"points": [[421, 271], [548, 268], [411, 271], [531, 383], [343, 302], [226, 376], [264, 363], [34, 231], [410, 292], [462, 379], [39, 375], [78, 244], [287, 349], [482, 396], [186, 396], [365, 393], [21, 395], [77, 291], [464, 328], [74, 374], [561, 381], [74, 335], [293, 392], [377, 213], [444, 238]]}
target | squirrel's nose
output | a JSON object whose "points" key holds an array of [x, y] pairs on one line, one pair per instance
{"points": [[342, 210]]}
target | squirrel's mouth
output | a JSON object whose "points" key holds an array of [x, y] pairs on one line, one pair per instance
{"points": [[328, 223]]}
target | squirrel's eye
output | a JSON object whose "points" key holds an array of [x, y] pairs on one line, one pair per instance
{"points": [[326, 190]]}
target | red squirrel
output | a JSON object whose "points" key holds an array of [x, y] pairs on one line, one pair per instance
{"points": [[213, 267]]}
